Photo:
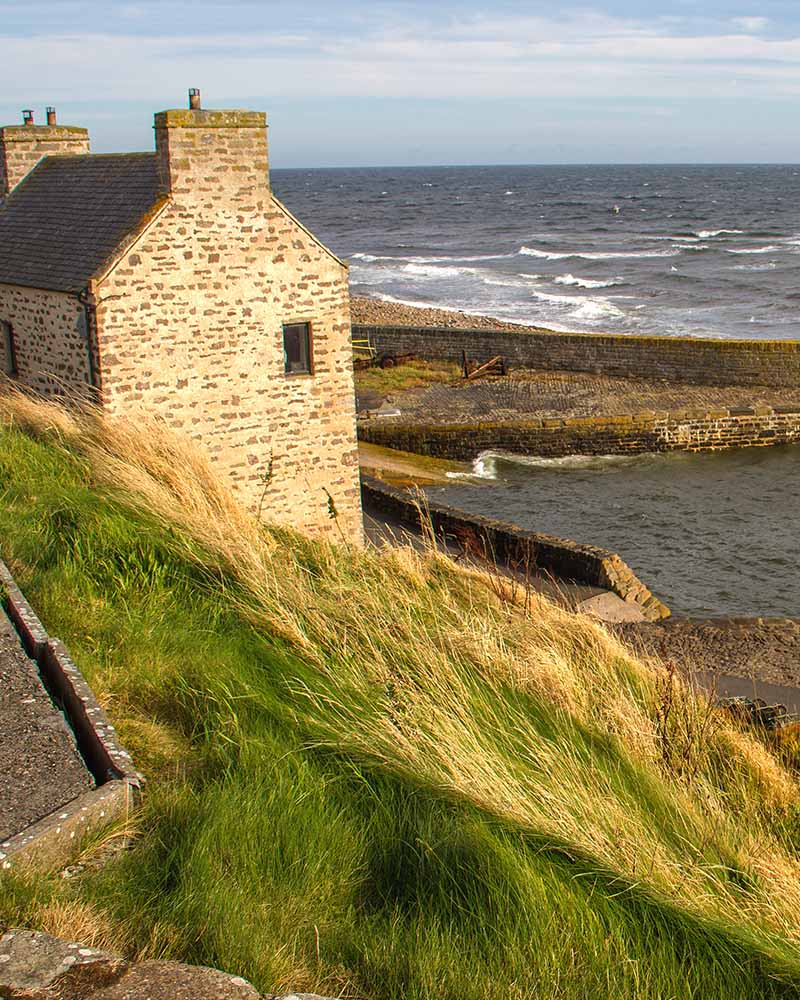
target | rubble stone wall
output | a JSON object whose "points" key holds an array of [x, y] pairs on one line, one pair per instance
{"points": [[50, 339]]}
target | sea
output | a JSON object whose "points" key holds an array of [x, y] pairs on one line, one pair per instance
{"points": [[697, 251]]}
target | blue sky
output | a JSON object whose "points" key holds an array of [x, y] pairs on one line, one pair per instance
{"points": [[355, 83]]}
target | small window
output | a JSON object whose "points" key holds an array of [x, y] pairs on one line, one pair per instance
{"points": [[7, 356], [297, 348]]}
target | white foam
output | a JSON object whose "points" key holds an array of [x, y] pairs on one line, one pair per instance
{"points": [[772, 248], [482, 468], [385, 258], [707, 234], [435, 270], [615, 255], [766, 266], [487, 460], [560, 300], [587, 309], [570, 279], [596, 309], [544, 254], [630, 255]]}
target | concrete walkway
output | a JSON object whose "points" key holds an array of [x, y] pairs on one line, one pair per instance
{"points": [[40, 767], [529, 394]]}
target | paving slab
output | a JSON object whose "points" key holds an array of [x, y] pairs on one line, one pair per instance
{"points": [[40, 767]]}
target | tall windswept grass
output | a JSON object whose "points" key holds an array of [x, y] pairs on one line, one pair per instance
{"points": [[365, 684]]}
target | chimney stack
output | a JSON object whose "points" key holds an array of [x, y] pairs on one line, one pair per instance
{"points": [[22, 146], [209, 156]]}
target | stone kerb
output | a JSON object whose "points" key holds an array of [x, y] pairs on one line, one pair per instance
{"points": [[117, 782], [701, 361], [524, 550]]}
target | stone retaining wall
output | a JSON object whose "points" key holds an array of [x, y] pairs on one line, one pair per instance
{"points": [[522, 550], [675, 359], [552, 438]]}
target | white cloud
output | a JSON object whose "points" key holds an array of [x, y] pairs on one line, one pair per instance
{"points": [[584, 54], [752, 25]]}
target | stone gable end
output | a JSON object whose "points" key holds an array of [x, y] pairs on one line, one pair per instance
{"points": [[190, 326]]}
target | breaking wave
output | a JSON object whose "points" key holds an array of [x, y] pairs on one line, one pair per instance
{"points": [[485, 465], [707, 234], [369, 258], [610, 255], [570, 279], [772, 248]]}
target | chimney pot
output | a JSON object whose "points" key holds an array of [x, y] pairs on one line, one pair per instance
{"points": [[27, 116], [51, 116], [194, 99]]}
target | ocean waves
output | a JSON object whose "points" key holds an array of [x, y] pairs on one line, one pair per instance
{"points": [[717, 247], [570, 279], [602, 255]]}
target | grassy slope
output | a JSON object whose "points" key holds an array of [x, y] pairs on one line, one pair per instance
{"points": [[370, 774]]}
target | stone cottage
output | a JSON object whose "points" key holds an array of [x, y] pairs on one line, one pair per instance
{"points": [[176, 283]]}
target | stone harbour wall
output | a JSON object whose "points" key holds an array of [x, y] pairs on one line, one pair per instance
{"points": [[523, 550], [554, 438], [675, 359]]}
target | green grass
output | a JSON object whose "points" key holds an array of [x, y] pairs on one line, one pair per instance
{"points": [[371, 775], [411, 375]]}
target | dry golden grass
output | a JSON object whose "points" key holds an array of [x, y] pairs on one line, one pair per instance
{"points": [[75, 920]]}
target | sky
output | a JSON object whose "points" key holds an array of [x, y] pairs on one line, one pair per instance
{"points": [[388, 83]]}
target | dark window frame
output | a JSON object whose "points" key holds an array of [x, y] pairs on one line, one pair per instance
{"points": [[9, 348], [309, 335]]}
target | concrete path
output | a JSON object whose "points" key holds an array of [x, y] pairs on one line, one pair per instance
{"points": [[40, 767]]}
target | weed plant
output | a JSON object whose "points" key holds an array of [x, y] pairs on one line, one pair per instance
{"points": [[375, 775]]}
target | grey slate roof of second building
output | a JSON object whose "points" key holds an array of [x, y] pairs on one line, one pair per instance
{"points": [[71, 214]]}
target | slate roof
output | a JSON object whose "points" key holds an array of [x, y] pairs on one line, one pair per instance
{"points": [[62, 224]]}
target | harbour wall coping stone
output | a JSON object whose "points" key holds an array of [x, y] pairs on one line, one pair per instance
{"points": [[525, 551]]}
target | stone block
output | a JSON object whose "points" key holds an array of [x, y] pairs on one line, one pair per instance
{"points": [[175, 981], [36, 966]]}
